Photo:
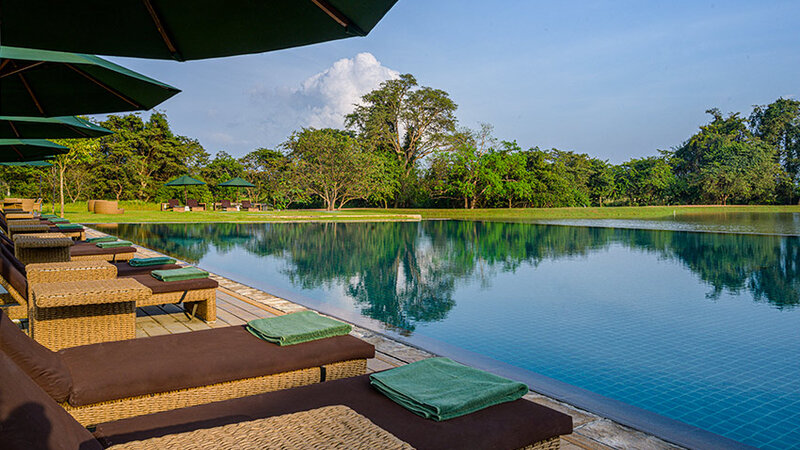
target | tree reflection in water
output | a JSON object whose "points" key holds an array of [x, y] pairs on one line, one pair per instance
{"points": [[405, 273]]}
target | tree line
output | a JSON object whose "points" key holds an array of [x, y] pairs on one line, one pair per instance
{"points": [[402, 147]]}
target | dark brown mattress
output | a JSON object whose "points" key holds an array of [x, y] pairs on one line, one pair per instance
{"points": [[162, 287], [126, 270], [90, 249], [506, 426], [121, 369]]}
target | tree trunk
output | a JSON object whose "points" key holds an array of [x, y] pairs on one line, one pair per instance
{"points": [[61, 188], [466, 202]]}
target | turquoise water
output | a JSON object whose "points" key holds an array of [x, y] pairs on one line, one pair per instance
{"points": [[699, 327]]}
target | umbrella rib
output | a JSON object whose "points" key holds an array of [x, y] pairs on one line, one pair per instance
{"points": [[161, 30], [14, 147], [338, 17], [106, 87], [33, 96], [77, 131], [13, 128], [18, 69]]}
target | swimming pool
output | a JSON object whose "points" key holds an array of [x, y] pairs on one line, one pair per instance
{"points": [[699, 327]]}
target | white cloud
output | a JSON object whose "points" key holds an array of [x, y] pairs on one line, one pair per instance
{"points": [[322, 100]]}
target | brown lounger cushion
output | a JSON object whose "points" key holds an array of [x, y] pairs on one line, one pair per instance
{"points": [[12, 270], [41, 364], [506, 426], [89, 249], [126, 270], [31, 420], [122, 369], [162, 287]]}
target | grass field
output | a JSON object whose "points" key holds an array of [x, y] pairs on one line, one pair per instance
{"points": [[136, 212]]}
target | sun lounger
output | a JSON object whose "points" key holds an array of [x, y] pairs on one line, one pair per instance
{"points": [[113, 380], [225, 205], [247, 206], [194, 205], [197, 296], [347, 412], [85, 251], [517, 424]]}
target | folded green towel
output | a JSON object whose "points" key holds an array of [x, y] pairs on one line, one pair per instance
{"points": [[69, 226], [441, 389], [101, 239], [156, 261], [58, 220], [184, 273], [114, 244], [296, 328]]}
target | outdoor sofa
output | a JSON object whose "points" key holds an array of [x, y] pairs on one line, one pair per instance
{"points": [[348, 412], [113, 380]]}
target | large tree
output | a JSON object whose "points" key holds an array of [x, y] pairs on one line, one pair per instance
{"points": [[141, 155], [778, 125], [270, 171], [724, 161], [405, 120], [332, 165]]}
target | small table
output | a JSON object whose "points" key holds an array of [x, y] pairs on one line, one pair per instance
{"points": [[42, 247], [72, 313]]}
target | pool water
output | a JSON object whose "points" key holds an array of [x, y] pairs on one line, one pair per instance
{"points": [[699, 327]]}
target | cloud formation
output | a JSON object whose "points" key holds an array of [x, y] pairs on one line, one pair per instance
{"points": [[322, 100]]}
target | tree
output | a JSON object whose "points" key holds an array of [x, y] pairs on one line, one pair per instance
{"points": [[778, 125], [601, 183], [82, 151], [270, 171], [140, 156], [405, 122], [645, 181], [332, 165], [725, 161]]}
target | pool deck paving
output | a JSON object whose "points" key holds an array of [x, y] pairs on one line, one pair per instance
{"points": [[238, 303]]}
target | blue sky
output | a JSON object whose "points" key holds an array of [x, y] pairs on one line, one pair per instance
{"points": [[612, 79]]}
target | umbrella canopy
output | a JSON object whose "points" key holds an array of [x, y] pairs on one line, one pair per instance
{"points": [[184, 180], [185, 29], [12, 150], [27, 163], [237, 182], [42, 83], [67, 127]]}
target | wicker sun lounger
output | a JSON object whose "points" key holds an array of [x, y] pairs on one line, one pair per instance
{"points": [[511, 425], [34, 421], [337, 414], [198, 296], [113, 380], [79, 251]]}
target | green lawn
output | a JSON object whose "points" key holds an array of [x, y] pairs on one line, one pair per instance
{"points": [[136, 212]]}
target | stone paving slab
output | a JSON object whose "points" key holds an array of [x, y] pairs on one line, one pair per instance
{"points": [[590, 430]]}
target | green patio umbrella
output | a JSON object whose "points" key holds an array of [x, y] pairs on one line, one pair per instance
{"points": [[237, 182], [66, 127], [184, 29], [185, 181], [40, 163], [39, 83], [14, 150]]}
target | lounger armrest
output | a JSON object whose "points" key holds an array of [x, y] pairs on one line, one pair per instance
{"points": [[70, 271], [94, 292]]}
